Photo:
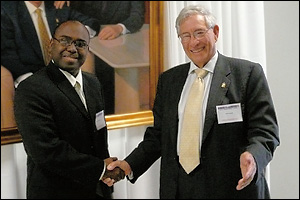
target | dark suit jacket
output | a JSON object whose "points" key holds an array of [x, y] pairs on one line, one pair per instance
{"points": [[222, 144], [65, 150], [129, 13], [20, 48]]}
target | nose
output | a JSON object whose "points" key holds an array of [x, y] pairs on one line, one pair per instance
{"points": [[194, 40], [72, 47]]}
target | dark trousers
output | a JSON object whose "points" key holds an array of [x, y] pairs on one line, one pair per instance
{"points": [[188, 186]]}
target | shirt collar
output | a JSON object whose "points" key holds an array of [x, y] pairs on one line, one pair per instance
{"points": [[210, 66], [31, 8], [73, 79]]}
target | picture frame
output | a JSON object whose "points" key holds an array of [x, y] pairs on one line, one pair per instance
{"points": [[11, 135]]}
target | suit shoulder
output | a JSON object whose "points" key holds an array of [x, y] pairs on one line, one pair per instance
{"points": [[175, 73], [9, 5], [239, 61], [90, 78], [35, 82], [177, 69], [242, 67]]}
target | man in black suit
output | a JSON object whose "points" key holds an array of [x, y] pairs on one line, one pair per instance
{"points": [[21, 52], [119, 17], [64, 130], [239, 131]]}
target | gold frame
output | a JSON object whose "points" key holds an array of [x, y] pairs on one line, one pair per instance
{"points": [[117, 121]]}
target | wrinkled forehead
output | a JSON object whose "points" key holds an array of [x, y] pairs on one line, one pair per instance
{"points": [[192, 22], [193, 19]]}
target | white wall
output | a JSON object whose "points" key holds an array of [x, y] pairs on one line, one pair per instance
{"points": [[13, 171], [121, 143], [282, 47]]}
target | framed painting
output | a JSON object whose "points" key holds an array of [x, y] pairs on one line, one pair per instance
{"points": [[137, 117]]}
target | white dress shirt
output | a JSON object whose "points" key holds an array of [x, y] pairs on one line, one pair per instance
{"points": [[210, 66]]}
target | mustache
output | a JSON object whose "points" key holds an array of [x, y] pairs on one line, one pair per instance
{"points": [[71, 55]]}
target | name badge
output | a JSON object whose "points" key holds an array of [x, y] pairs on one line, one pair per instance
{"points": [[100, 120], [229, 113]]}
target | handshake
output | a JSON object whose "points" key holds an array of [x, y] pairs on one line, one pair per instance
{"points": [[115, 170]]}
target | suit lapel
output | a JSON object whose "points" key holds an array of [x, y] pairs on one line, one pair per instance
{"points": [[28, 29], [66, 88], [218, 90], [178, 81], [90, 98]]}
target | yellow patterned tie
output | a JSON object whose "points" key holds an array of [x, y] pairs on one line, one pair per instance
{"points": [[189, 148], [44, 36]]}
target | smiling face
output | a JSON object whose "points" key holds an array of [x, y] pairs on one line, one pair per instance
{"points": [[66, 49], [200, 50]]}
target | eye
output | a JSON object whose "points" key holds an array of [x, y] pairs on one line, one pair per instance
{"points": [[199, 33], [64, 41], [80, 43], [185, 37]]}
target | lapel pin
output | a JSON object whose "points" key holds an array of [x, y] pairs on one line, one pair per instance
{"points": [[223, 85]]}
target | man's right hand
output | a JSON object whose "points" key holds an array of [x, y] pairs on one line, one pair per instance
{"points": [[118, 164], [116, 174], [122, 164]]}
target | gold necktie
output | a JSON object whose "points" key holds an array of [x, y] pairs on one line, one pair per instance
{"points": [[189, 149], [77, 87], [44, 36]]}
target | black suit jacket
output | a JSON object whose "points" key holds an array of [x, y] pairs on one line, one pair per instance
{"points": [[222, 144], [20, 48], [129, 13], [64, 148]]}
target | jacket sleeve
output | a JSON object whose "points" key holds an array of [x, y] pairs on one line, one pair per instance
{"points": [[136, 17]]}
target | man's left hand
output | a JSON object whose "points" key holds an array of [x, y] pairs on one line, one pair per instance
{"points": [[248, 169]]}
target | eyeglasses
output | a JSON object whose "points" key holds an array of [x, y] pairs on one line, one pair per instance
{"points": [[79, 44], [198, 34]]}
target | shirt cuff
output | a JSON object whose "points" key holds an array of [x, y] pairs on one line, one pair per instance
{"points": [[91, 32], [103, 171], [125, 30], [22, 78], [130, 176]]}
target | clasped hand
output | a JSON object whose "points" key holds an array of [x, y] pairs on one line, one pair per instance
{"points": [[113, 175], [115, 166]]}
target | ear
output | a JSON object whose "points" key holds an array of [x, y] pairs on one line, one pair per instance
{"points": [[50, 48], [216, 32]]}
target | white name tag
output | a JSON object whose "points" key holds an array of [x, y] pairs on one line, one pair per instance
{"points": [[100, 120], [229, 113]]}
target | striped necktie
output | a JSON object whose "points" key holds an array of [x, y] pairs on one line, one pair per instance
{"points": [[44, 36]]}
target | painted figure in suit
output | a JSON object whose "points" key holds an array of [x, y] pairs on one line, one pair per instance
{"points": [[21, 52], [119, 17], [65, 138], [234, 151]]}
